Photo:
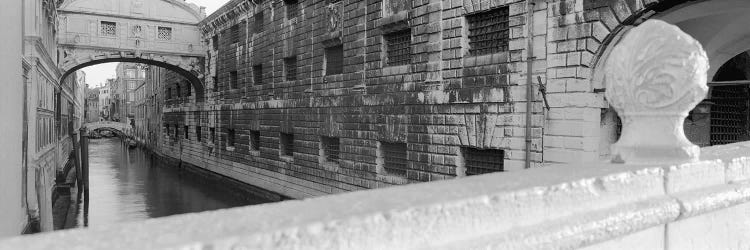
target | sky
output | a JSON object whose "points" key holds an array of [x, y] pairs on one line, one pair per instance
{"points": [[98, 74]]}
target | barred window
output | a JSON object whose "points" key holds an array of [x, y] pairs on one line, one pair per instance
{"points": [[234, 32], [286, 144], [198, 133], [334, 60], [394, 158], [488, 31], [165, 33], [212, 131], [290, 68], [292, 8], [186, 132], [109, 28], [258, 74], [233, 79], [255, 140], [230, 137], [258, 22], [331, 148], [398, 47], [482, 161]]}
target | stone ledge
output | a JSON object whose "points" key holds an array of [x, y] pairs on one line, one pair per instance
{"points": [[561, 207]]}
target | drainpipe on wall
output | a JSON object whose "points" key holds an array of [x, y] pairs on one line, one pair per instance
{"points": [[529, 87]]}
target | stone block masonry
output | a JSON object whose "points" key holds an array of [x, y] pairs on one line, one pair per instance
{"points": [[443, 93]]}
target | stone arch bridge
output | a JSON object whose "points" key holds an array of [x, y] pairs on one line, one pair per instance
{"points": [[122, 127], [163, 33]]}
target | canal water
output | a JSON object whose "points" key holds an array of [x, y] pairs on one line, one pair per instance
{"points": [[127, 185]]}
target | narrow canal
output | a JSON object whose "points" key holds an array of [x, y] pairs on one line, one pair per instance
{"points": [[127, 185]]}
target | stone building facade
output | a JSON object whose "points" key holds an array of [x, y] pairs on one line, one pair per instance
{"points": [[307, 98]]}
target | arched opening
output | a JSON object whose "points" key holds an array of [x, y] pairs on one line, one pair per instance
{"points": [[192, 78]]}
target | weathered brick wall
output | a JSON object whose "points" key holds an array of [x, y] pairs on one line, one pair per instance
{"points": [[443, 101]]}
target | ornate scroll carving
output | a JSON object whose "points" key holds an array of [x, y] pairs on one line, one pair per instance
{"points": [[654, 77], [333, 13]]}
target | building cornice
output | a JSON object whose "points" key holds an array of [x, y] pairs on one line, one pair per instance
{"points": [[224, 15]]}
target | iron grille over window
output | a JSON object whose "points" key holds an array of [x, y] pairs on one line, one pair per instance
{"points": [[213, 134], [728, 114], [165, 33], [258, 74], [398, 47], [233, 78], [290, 64], [287, 144], [258, 22], [480, 161], [234, 32], [334, 60], [230, 137], [331, 148], [198, 133], [215, 42], [255, 140], [488, 31], [394, 158], [292, 8], [109, 28]]}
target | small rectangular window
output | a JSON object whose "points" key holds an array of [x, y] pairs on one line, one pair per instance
{"points": [[212, 131], [290, 68], [230, 137], [235, 33], [286, 144], [258, 21], [488, 31], [198, 133], [176, 132], [398, 48], [186, 132], [108, 28], [164, 33], [189, 89], [216, 83], [334, 57], [394, 158], [331, 148], [482, 161], [292, 8], [233, 79], [215, 42], [258, 74], [255, 140]]}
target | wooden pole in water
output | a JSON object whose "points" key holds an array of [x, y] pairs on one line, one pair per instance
{"points": [[85, 170], [77, 154]]}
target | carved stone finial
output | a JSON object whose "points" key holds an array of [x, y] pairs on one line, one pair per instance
{"points": [[655, 76]]}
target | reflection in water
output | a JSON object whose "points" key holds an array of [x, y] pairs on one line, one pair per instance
{"points": [[126, 185]]}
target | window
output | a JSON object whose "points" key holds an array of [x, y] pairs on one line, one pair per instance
{"points": [[169, 93], [198, 133], [255, 140], [233, 79], [108, 28], [258, 74], [216, 83], [213, 134], [331, 148], [131, 74], [394, 158], [258, 22], [230, 137], [398, 48], [176, 131], [482, 161], [334, 60], [286, 144], [488, 31], [189, 89], [215, 42], [178, 92], [290, 68], [292, 8], [186, 132], [234, 32], [142, 73], [164, 33]]}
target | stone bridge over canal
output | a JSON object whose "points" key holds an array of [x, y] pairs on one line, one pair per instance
{"points": [[163, 33], [118, 126]]}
